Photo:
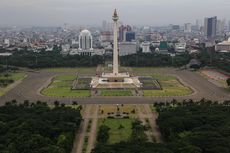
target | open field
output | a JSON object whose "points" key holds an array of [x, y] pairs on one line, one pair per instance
{"points": [[12, 76], [120, 129], [79, 70], [61, 87], [116, 93], [171, 87]]}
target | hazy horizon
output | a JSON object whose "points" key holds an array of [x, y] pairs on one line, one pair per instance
{"points": [[85, 12]]}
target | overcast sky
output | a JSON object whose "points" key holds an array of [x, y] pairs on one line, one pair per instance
{"points": [[92, 12]]}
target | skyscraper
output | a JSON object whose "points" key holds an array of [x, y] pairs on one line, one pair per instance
{"points": [[122, 32], [187, 27], [210, 25], [229, 25], [129, 36]]}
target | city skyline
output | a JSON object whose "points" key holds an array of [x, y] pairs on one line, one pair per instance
{"points": [[136, 12]]}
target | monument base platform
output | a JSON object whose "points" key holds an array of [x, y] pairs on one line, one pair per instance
{"points": [[115, 81]]}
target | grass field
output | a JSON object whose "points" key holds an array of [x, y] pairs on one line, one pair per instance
{"points": [[171, 87], [80, 70], [61, 87], [116, 93], [13, 76], [149, 70], [117, 134]]}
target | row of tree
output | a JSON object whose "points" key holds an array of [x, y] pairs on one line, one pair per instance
{"points": [[36, 128], [207, 57], [51, 59]]}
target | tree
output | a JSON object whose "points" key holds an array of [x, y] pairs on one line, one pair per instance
{"points": [[228, 82], [103, 134]]}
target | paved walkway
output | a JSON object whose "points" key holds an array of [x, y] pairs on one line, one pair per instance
{"points": [[93, 132], [80, 136], [90, 113], [145, 112]]}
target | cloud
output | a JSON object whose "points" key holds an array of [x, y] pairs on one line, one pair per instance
{"points": [[54, 12]]}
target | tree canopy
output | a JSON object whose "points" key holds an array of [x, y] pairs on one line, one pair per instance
{"points": [[36, 128]]}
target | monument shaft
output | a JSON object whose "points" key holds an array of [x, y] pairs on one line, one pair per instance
{"points": [[115, 43]]}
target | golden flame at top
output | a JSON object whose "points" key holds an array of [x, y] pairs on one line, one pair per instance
{"points": [[115, 15]]}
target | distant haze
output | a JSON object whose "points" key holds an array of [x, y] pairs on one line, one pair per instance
{"points": [[93, 12]]}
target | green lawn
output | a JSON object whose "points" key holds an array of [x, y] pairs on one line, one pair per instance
{"points": [[61, 87], [171, 87], [115, 134], [13, 76], [80, 70], [149, 70], [116, 92]]}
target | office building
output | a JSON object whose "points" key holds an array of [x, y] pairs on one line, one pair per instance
{"points": [[187, 27], [106, 36], [228, 26], [130, 36], [210, 27], [122, 32]]}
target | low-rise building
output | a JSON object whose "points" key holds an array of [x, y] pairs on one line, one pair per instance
{"points": [[145, 47], [223, 46], [127, 48]]}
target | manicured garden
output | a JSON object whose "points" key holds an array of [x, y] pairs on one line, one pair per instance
{"points": [[171, 86], [116, 93], [61, 87]]}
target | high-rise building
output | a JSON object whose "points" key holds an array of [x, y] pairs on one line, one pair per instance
{"points": [[210, 27], [130, 36], [104, 25], [187, 27], [106, 36], [122, 32], [198, 24], [85, 40], [221, 26], [229, 25]]}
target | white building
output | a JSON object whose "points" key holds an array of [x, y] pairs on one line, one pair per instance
{"points": [[7, 42], [65, 49], [145, 47], [85, 43], [127, 48], [180, 47], [223, 46], [85, 40]]}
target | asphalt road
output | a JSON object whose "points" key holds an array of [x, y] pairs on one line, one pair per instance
{"points": [[29, 90]]}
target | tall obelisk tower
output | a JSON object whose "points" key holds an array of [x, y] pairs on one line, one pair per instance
{"points": [[115, 45]]}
